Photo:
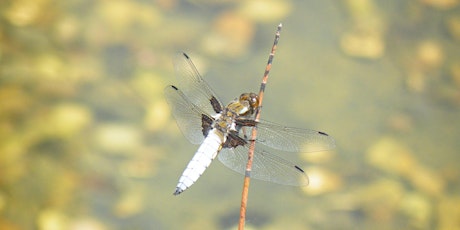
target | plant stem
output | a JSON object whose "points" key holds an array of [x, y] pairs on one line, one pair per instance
{"points": [[247, 175]]}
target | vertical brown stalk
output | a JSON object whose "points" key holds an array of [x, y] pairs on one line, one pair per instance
{"points": [[247, 175]]}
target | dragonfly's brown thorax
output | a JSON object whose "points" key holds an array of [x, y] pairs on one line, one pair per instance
{"points": [[242, 107], [246, 105]]}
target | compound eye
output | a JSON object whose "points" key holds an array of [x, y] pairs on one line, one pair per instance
{"points": [[254, 99]]}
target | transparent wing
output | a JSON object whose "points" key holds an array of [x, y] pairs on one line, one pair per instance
{"points": [[292, 139], [198, 92], [265, 166], [187, 115]]}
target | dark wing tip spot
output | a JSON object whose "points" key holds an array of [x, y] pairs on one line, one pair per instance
{"points": [[174, 87], [322, 133], [298, 168], [185, 55]]}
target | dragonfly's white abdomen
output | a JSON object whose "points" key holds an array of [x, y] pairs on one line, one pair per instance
{"points": [[201, 160]]}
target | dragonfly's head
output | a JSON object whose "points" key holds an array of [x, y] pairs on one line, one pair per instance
{"points": [[251, 100]]}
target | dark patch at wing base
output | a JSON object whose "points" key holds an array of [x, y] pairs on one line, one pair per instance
{"points": [[233, 140], [245, 122], [216, 105], [206, 124]]}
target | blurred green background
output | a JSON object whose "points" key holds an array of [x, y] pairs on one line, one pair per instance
{"points": [[87, 140]]}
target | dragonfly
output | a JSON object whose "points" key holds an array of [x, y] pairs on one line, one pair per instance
{"points": [[223, 132]]}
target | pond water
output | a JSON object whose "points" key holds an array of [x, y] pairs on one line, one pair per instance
{"points": [[87, 140]]}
